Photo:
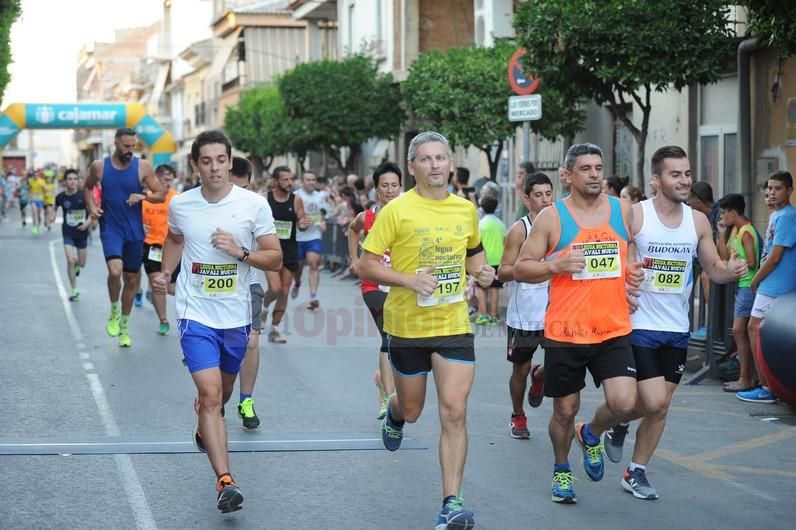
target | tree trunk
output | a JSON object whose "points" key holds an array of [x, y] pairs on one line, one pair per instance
{"points": [[353, 157], [493, 162], [641, 140]]}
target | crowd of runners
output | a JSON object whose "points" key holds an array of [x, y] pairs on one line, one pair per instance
{"points": [[602, 284]]}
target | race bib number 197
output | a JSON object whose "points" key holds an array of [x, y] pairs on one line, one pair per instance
{"points": [[602, 260], [449, 286]]}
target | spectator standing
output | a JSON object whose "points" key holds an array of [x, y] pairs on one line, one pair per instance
{"points": [[493, 238]]}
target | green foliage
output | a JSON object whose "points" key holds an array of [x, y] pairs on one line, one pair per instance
{"points": [[463, 93], [775, 22], [256, 124], [9, 12], [337, 104], [618, 51]]}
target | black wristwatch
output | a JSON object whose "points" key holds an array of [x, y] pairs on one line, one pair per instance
{"points": [[245, 254]]}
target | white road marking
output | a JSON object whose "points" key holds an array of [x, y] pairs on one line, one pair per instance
{"points": [[132, 485]]}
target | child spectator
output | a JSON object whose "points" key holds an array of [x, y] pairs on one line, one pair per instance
{"points": [[741, 238], [493, 238]]}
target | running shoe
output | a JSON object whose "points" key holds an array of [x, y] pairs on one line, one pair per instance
{"points": [[593, 463], [295, 290], [519, 427], [139, 299], [313, 305], [148, 297], [391, 434], [77, 270], [247, 414], [74, 296], [454, 517], [613, 441], [636, 482], [757, 395], [124, 338], [230, 499], [382, 409], [482, 320], [536, 392], [563, 492], [112, 327], [163, 328], [275, 336]]}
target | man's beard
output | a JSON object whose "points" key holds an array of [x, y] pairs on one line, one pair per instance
{"points": [[124, 157]]}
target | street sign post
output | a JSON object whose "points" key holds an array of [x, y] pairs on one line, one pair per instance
{"points": [[521, 109]]}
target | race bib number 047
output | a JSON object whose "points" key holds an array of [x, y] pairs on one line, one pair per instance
{"points": [[602, 260]]}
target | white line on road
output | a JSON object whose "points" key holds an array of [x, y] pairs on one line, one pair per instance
{"points": [[132, 485]]}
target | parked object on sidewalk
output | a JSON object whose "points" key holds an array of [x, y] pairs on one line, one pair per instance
{"points": [[775, 354]]}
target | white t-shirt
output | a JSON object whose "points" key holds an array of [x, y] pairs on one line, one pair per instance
{"points": [[213, 287], [313, 202]]}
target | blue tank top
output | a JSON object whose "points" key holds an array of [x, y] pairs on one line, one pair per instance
{"points": [[119, 217]]}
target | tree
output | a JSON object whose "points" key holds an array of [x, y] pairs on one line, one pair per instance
{"points": [[254, 125], [463, 93], [341, 104], [9, 12], [619, 51], [775, 22]]}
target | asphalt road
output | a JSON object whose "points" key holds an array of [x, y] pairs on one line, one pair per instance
{"points": [[721, 463]]}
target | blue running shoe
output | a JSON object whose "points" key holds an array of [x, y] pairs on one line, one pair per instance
{"points": [[757, 395], [139, 296], [391, 434], [563, 492], [454, 517], [592, 456]]}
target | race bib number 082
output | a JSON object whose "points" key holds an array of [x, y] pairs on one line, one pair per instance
{"points": [[664, 275]]}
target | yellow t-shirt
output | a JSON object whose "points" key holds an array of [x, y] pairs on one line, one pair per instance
{"points": [[36, 189], [49, 193], [422, 233]]}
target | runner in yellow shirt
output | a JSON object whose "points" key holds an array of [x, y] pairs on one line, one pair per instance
{"points": [[49, 199], [434, 242], [36, 189]]}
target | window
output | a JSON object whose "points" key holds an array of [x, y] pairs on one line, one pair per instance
{"points": [[717, 149]]}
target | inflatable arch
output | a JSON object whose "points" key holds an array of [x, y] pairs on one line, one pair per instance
{"points": [[18, 116]]}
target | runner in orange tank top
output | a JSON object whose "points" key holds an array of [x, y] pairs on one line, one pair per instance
{"points": [[580, 245]]}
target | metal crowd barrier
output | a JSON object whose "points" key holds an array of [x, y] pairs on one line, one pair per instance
{"points": [[335, 244]]}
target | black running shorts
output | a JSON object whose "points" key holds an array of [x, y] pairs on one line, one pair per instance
{"points": [[413, 356], [521, 344]]}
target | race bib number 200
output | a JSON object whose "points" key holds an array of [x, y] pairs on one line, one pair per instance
{"points": [[602, 260], [449, 286], [214, 280]]}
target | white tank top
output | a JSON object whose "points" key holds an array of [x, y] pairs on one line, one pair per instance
{"points": [[313, 203], [527, 301], [667, 255]]}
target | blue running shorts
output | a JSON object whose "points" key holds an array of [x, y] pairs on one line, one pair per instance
{"points": [[204, 347]]}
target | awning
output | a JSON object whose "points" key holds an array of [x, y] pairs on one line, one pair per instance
{"points": [[221, 58], [316, 9], [157, 88]]}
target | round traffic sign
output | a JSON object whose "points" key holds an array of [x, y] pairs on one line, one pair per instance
{"points": [[521, 83]]}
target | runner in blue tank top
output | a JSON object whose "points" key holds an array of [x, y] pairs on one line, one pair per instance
{"points": [[123, 178]]}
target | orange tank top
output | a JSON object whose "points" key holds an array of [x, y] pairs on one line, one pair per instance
{"points": [[590, 307], [155, 216]]}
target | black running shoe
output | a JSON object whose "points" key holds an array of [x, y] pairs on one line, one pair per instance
{"points": [[230, 499], [247, 414], [614, 440]]}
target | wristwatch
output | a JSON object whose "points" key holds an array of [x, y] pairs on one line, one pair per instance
{"points": [[245, 254]]}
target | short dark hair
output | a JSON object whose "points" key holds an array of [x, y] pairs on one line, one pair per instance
{"points": [[386, 167], [207, 138], [488, 203], [783, 176], [733, 201], [241, 168], [616, 184], [70, 171], [528, 166], [124, 131], [576, 150], [702, 191], [535, 179], [662, 153], [278, 171], [462, 175], [163, 168]]}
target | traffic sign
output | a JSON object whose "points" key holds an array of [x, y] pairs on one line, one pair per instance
{"points": [[525, 108], [521, 83]]}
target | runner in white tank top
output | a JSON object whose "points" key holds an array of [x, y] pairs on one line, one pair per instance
{"points": [[667, 235], [310, 240], [526, 308]]}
